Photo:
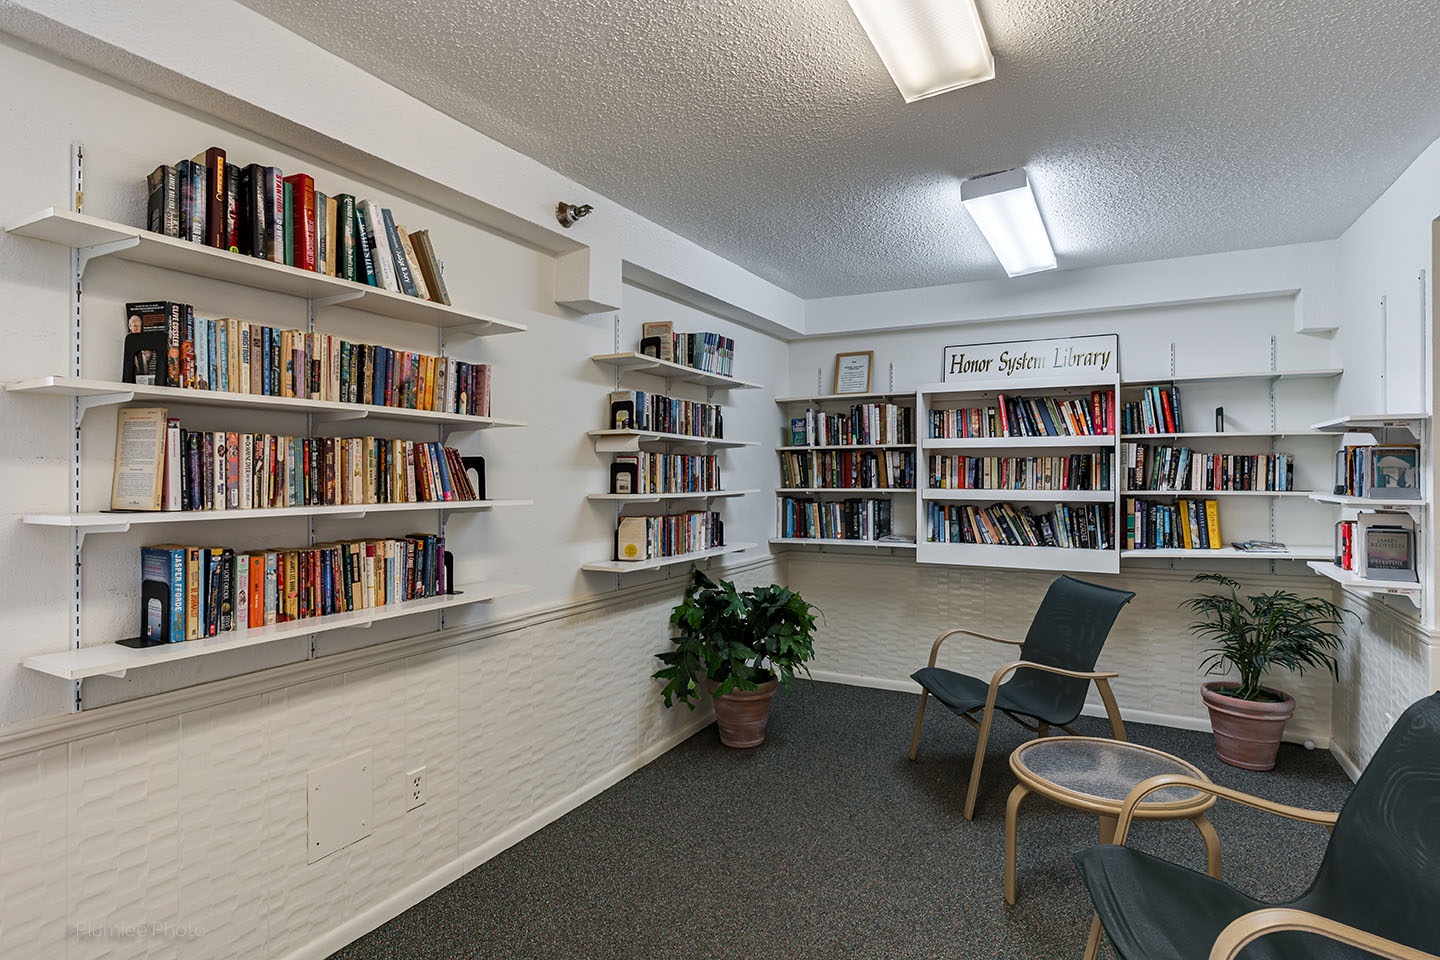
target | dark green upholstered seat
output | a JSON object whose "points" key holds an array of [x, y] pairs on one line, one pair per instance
{"points": [[1067, 632], [1380, 872]]}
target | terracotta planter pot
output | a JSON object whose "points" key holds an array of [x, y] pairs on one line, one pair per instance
{"points": [[743, 714], [1247, 732]]}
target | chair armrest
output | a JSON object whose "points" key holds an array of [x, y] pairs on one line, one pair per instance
{"points": [[935, 648], [1144, 788], [1258, 923], [1014, 665]]}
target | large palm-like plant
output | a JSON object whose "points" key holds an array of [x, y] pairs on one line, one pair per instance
{"points": [[1256, 633], [737, 638]]}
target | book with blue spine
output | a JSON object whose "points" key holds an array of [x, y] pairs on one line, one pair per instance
{"points": [[162, 594], [397, 253]]}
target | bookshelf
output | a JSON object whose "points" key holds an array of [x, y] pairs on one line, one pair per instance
{"points": [[1020, 470], [667, 459], [847, 471], [1281, 464], [1378, 429], [90, 238]]}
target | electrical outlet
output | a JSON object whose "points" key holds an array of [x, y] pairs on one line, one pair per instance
{"points": [[415, 788]]}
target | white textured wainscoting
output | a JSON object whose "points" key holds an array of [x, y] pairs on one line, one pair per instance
{"points": [[1388, 664], [175, 826], [881, 618]]}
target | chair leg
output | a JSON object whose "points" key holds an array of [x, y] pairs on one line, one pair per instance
{"points": [[1112, 710], [974, 787], [919, 719], [1042, 728], [1092, 945]]}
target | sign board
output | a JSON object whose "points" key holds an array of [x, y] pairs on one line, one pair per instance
{"points": [[1038, 361]]}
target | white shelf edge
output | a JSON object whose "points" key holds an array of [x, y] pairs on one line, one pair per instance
{"points": [[1228, 553], [657, 497], [1359, 423], [113, 659], [79, 230], [624, 441], [1222, 434], [120, 522], [849, 446], [1367, 503], [1011, 496], [1009, 443], [125, 392], [1206, 494], [638, 362], [833, 542], [842, 397], [1321, 373], [634, 566], [1351, 581], [847, 490]]}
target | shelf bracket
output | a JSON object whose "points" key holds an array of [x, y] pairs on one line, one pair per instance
{"points": [[86, 254], [84, 405], [117, 674], [346, 297], [83, 532], [617, 444], [472, 329], [338, 416]]}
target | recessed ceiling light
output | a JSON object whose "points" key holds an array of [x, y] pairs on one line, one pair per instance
{"points": [[929, 46], [1004, 209]]}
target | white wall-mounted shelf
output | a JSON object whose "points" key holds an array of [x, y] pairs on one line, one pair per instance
{"points": [[662, 497], [1318, 552], [1207, 494], [849, 446], [1325, 373], [634, 566], [1360, 423], [1369, 503], [1221, 435], [112, 659], [846, 491], [1021, 558], [108, 522], [1018, 444], [833, 542], [1351, 581], [1019, 496], [639, 363], [96, 237], [629, 441], [849, 398], [108, 393]]}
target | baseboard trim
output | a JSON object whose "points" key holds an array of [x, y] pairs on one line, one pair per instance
{"points": [[402, 900], [1301, 735]]}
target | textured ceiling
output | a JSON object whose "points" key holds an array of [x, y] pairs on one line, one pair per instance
{"points": [[769, 132]]}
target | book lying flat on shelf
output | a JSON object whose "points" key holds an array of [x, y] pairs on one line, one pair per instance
{"points": [[1260, 546]]}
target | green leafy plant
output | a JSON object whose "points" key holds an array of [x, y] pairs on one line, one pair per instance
{"points": [[1264, 631], [737, 638]]}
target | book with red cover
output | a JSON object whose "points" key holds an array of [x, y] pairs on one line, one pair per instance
{"points": [[302, 187]]}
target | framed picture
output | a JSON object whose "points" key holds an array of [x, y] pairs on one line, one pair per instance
{"points": [[852, 371], [1394, 471]]}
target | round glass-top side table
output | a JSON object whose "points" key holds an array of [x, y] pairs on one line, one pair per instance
{"points": [[1096, 774]]}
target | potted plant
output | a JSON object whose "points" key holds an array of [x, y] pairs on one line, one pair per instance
{"points": [[742, 644], [1252, 635]]}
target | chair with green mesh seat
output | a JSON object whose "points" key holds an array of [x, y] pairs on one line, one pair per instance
{"points": [[1046, 686], [1376, 893]]}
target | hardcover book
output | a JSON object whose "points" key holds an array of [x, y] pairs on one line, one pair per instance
{"points": [[397, 254], [345, 248], [302, 248], [163, 206], [211, 164], [162, 594], [384, 261], [430, 266]]}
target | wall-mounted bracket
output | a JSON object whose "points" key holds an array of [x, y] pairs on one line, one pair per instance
{"points": [[335, 299], [84, 405], [86, 254]]}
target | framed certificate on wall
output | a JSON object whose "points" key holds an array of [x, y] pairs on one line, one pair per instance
{"points": [[852, 371]]}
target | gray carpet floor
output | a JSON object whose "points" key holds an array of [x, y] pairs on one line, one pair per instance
{"points": [[827, 842]]}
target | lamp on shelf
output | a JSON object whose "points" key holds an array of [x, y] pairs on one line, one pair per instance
{"points": [[929, 46], [1003, 207]]}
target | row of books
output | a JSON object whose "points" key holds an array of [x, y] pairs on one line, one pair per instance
{"points": [[710, 352], [1180, 468], [1378, 546], [1029, 417], [1077, 471], [1157, 411], [844, 469], [256, 211], [1085, 526], [1390, 471], [238, 356], [650, 538], [639, 410], [192, 592], [664, 473], [1186, 524], [850, 519], [865, 424], [161, 466]]}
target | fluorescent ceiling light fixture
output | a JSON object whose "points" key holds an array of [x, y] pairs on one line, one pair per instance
{"points": [[1004, 209], [929, 46]]}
